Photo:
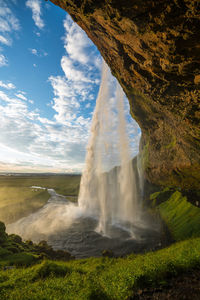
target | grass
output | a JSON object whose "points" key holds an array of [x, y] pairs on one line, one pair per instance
{"points": [[14, 251], [22, 259], [17, 199], [34, 276], [181, 217], [99, 278], [67, 185]]}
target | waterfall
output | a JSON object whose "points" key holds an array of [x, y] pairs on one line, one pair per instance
{"points": [[106, 192], [108, 203]]}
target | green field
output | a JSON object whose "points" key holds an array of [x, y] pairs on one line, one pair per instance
{"points": [[17, 199]]}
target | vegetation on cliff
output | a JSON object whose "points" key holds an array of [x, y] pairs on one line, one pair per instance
{"points": [[181, 217]]}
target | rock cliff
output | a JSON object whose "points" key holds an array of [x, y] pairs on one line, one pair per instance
{"points": [[153, 48]]}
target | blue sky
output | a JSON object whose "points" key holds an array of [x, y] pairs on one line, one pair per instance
{"points": [[49, 79]]}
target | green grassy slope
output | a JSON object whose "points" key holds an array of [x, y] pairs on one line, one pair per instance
{"points": [[181, 217], [98, 278]]}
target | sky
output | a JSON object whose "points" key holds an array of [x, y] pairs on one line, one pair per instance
{"points": [[49, 79]]}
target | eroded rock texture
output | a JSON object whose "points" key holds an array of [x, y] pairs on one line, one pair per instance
{"points": [[153, 48]]}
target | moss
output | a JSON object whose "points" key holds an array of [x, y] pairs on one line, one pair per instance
{"points": [[185, 178], [138, 111], [181, 217], [172, 144], [145, 157], [161, 196]]}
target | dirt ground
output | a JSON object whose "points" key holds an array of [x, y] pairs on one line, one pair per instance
{"points": [[183, 287]]}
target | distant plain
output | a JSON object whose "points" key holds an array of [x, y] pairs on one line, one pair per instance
{"points": [[18, 199]]}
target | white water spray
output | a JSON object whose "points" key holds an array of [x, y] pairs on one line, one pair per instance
{"points": [[107, 193], [110, 196]]}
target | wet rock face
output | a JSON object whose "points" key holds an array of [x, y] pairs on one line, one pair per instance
{"points": [[153, 48]]}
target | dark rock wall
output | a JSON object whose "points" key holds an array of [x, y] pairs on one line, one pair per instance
{"points": [[153, 48]]}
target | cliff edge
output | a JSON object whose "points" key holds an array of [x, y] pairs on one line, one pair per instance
{"points": [[153, 49]]}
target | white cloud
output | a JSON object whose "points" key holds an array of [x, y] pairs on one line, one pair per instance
{"points": [[34, 51], [69, 91], [78, 83], [76, 42], [65, 102], [35, 6], [71, 72], [82, 61], [5, 40], [39, 143], [4, 25], [21, 96], [3, 61], [6, 98], [22, 92], [39, 53], [8, 21], [8, 86], [8, 24]]}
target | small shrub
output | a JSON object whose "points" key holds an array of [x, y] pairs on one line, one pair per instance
{"points": [[13, 249], [47, 269], [29, 243], [3, 234], [15, 238], [4, 252], [21, 259], [107, 253]]}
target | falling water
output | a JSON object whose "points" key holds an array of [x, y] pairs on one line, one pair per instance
{"points": [[109, 195], [108, 205]]}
